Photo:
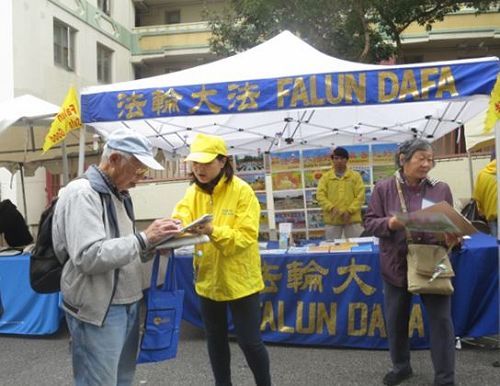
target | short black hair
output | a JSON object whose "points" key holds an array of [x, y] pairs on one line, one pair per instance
{"points": [[340, 152]]}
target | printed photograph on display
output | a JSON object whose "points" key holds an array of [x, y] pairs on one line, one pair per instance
{"points": [[311, 177], [287, 180], [298, 237], [358, 155], [383, 160], [317, 158], [383, 154], [262, 200], [298, 219], [249, 163], [316, 234], [256, 180], [315, 219], [263, 236], [383, 171], [287, 160], [365, 172], [288, 199], [311, 201], [264, 221]]}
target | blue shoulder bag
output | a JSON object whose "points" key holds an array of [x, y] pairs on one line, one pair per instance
{"points": [[163, 316]]}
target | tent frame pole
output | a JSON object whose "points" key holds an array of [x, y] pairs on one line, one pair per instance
{"points": [[21, 170], [65, 163], [81, 150]]}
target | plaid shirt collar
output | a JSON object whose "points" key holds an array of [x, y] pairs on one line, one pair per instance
{"points": [[111, 186]]}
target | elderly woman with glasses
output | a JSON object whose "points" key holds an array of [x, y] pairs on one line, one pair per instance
{"points": [[414, 160]]}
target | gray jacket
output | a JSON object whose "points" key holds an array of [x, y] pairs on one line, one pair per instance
{"points": [[85, 229]]}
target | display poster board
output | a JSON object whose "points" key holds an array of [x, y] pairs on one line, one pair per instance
{"points": [[295, 176]]}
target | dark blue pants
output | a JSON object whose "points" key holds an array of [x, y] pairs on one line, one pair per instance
{"points": [[246, 315]]}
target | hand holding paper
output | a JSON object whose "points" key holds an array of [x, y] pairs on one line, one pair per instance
{"points": [[173, 231], [162, 228], [438, 218]]}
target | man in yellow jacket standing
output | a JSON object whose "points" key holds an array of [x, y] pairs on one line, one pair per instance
{"points": [[341, 193], [227, 270], [485, 193]]}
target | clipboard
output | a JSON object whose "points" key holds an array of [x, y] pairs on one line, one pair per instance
{"points": [[184, 232]]}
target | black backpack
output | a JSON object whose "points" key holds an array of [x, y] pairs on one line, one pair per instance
{"points": [[45, 266]]}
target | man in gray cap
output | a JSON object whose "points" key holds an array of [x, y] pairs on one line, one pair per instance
{"points": [[101, 282]]}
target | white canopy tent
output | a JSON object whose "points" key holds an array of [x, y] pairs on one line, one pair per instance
{"points": [[24, 123], [474, 133], [21, 120], [284, 94]]}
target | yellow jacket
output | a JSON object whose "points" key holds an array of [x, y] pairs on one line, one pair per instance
{"points": [[229, 266], [346, 193], [485, 191]]}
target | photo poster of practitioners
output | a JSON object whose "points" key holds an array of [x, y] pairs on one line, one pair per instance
{"points": [[249, 163], [257, 181], [261, 196], [359, 160], [317, 158], [315, 220], [287, 180], [283, 161], [264, 217], [297, 218], [383, 160], [288, 199], [311, 177], [311, 200], [316, 162], [264, 226]]}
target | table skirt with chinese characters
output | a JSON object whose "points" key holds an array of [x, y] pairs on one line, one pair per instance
{"points": [[337, 300]]}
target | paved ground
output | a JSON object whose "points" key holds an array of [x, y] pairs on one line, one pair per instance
{"points": [[46, 362]]}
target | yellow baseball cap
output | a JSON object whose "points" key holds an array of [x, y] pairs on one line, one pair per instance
{"points": [[205, 148]]}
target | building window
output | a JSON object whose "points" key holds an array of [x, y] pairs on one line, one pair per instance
{"points": [[64, 45], [104, 56], [104, 6], [173, 17]]}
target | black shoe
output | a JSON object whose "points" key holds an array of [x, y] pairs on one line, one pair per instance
{"points": [[392, 378]]}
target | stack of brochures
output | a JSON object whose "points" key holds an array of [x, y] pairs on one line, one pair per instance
{"points": [[365, 247]]}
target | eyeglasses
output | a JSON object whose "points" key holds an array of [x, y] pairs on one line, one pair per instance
{"points": [[141, 171]]}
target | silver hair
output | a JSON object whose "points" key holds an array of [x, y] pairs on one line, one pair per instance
{"points": [[107, 151], [408, 148]]}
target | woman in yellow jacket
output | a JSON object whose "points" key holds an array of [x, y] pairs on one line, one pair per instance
{"points": [[228, 268], [485, 193]]}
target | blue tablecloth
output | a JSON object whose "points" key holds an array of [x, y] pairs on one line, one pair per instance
{"points": [[336, 299], [25, 311]]}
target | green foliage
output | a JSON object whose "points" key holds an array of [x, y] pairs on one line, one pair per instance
{"points": [[358, 30]]}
